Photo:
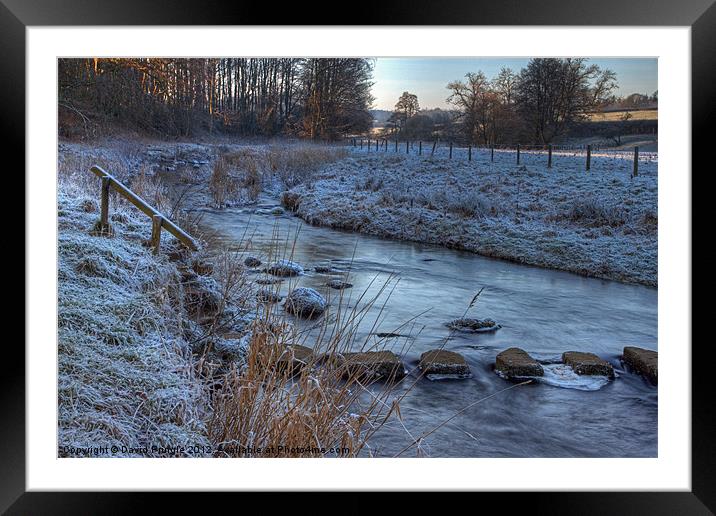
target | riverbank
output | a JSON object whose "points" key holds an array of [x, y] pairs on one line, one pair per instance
{"points": [[152, 349], [125, 377], [601, 223]]}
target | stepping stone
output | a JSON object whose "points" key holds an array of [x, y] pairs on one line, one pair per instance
{"points": [[294, 358], [643, 361], [440, 364], [374, 365], [587, 363], [516, 363]]}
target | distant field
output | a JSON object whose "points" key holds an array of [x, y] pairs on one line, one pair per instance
{"points": [[614, 116]]}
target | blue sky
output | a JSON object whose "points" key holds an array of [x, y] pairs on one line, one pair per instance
{"points": [[428, 77]]}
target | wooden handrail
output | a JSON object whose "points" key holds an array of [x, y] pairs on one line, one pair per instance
{"points": [[159, 221]]}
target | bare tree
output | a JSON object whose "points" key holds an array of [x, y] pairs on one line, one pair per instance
{"points": [[552, 94]]}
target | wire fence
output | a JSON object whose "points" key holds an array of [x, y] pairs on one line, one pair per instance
{"points": [[548, 155]]}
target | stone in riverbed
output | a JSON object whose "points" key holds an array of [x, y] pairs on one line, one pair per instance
{"points": [[294, 358], [587, 363], [305, 302], [267, 281], [284, 268], [324, 269], [265, 295], [338, 284], [252, 261], [383, 365], [440, 364], [643, 361], [469, 325], [516, 363]]}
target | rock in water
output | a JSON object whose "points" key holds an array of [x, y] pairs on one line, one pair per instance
{"points": [[276, 211], [323, 269], [305, 302], [374, 365], [587, 363], [338, 284], [252, 261], [438, 364], [516, 363], [284, 268], [643, 361], [265, 295], [469, 325], [294, 358], [267, 281]]}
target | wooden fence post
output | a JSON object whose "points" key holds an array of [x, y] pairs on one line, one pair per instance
{"points": [[376, 144], [396, 145], [636, 162], [156, 232], [469, 153], [549, 156], [450, 150], [407, 147], [492, 153], [435, 143], [518, 153], [589, 157], [420, 148], [104, 210], [361, 143], [368, 144]]}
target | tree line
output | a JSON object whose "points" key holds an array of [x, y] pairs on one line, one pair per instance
{"points": [[308, 98], [537, 105]]}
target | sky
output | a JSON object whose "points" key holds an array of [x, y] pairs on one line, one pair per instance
{"points": [[428, 77]]}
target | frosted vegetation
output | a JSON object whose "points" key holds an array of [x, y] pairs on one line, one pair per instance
{"points": [[601, 223], [124, 376], [153, 349]]}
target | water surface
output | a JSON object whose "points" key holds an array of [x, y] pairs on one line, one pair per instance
{"points": [[543, 311]]}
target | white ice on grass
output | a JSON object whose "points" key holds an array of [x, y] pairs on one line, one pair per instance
{"points": [[124, 377], [601, 223]]}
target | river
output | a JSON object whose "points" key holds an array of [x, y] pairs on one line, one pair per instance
{"points": [[545, 312]]}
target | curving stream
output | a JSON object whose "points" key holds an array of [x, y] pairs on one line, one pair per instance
{"points": [[542, 311]]}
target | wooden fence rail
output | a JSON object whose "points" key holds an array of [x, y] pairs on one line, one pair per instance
{"points": [[159, 221]]}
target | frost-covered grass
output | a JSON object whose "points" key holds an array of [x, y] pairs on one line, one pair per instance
{"points": [[137, 361], [124, 375], [602, 223]]}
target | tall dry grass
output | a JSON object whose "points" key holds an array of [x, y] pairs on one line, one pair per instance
{"points": [[222, 185], [296, 395], [291, 164]]}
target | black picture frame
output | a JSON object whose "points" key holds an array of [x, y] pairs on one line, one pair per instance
{"points": [[700, 15]]}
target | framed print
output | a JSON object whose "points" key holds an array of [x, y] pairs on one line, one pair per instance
{"points": [[442, 252]]}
